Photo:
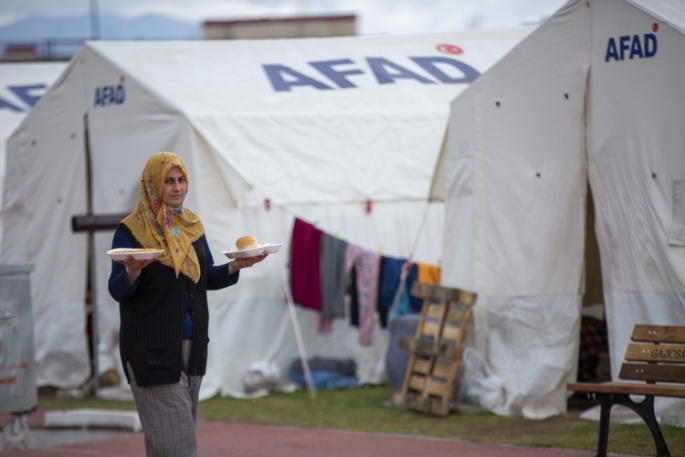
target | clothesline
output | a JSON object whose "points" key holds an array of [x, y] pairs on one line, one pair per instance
{"points": [[395, 308], [364, 337], [268, 205], [378, 283]]}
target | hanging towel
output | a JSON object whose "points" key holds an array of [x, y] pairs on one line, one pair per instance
{"points": [[367, 264], [333, 252], [305, 269], [429, 274]]}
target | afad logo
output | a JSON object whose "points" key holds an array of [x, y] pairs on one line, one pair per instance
{"points": [[445, 70], [29, 94], [110, 95], [631, 47]]}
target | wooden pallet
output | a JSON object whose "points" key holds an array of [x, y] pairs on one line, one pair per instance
{"points": [[436, 349]]}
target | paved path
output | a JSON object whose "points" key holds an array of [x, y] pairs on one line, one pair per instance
{"points": [[250, 440]]}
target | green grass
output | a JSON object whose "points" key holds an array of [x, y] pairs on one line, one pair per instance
{"points": [[362, 410]]}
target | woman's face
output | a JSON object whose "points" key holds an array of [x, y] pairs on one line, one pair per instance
{"points": [[175, 187]]}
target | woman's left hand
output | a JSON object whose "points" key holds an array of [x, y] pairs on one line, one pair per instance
{"points": [[245, 262]]}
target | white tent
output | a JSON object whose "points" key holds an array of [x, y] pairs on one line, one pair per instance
{"points": [[595, 95], [316, 126], [21, 86]]}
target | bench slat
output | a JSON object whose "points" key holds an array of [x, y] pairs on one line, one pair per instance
{"points": [[649, 372], [664, 359], [655, 353], [627, 388], [659, 334]]}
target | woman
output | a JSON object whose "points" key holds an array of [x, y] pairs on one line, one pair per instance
{"points": [[163, 306]]}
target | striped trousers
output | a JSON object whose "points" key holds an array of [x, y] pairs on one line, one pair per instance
{"points": [[167, 413]]}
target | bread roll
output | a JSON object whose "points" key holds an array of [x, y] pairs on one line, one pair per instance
{"points": [[246, 242]]}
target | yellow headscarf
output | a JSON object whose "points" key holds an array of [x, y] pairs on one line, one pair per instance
{"points": [[159, 226]]}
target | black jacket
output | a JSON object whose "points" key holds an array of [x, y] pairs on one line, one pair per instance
{"points": [[151, 332]]}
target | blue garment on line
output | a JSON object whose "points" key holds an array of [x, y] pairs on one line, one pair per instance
{"points": [[390, 282]]}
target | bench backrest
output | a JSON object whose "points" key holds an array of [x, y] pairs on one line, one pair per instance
{"points": [[663, 347]]}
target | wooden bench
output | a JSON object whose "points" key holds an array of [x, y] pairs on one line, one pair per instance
{"points": [[656, 355]]}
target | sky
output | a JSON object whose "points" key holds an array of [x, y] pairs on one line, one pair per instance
{"points": [[393, 17]]}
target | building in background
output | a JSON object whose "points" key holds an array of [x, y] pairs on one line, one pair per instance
{"points": [[286, 27], [21, 53]]}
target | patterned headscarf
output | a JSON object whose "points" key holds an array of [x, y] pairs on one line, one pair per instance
{"points": [[159, 226]]}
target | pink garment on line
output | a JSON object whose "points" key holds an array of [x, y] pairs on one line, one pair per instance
{"points": [[305, 270], [367, 264]]}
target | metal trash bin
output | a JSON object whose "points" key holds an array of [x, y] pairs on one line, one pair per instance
{"points": [[18, 391]]}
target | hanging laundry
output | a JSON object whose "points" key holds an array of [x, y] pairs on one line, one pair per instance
{"points": [[332, 261], [305, 268], [367, 264], [354, 298], [333, 252], [415, 303], [382, 310], [403, 302], [389, 288], [428, 273], [389, 280]]}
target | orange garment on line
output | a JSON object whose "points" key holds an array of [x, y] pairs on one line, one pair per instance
{"points": [[429, 274]]}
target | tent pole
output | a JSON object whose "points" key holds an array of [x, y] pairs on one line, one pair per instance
{"points": [[298, 337], [418, 234], [91, 260], [405, 268]]}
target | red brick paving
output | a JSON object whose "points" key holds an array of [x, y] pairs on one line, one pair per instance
{"points": [[250, 440]]}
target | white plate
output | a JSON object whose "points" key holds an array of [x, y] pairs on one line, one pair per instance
{"points": [[267, 248], [243, 254], [138, 254], [272, 248]]}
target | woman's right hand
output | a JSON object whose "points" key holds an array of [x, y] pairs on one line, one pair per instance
{"points": [[133, 267]]}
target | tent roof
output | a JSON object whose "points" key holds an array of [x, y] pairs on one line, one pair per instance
{"points": [[294, 120], [201, 77], [672, 12]]}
